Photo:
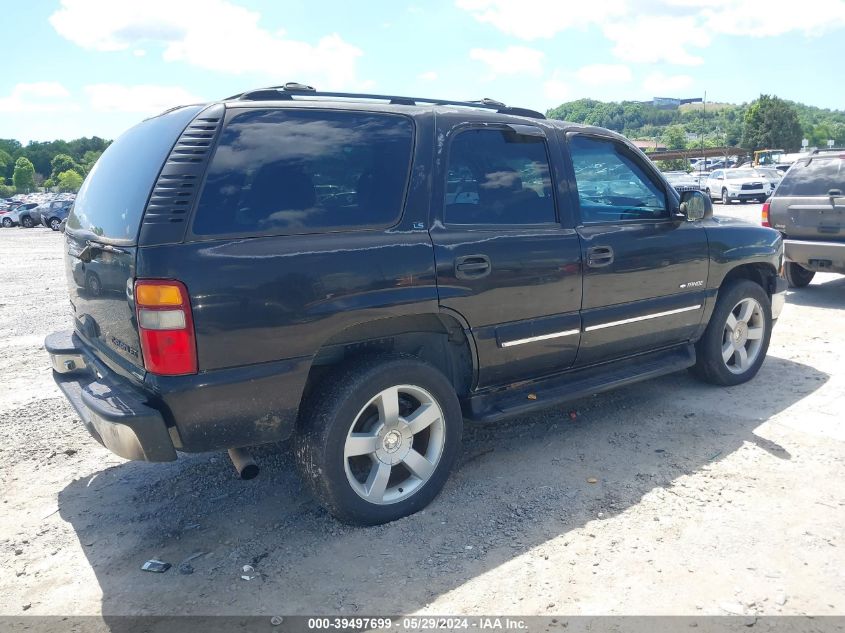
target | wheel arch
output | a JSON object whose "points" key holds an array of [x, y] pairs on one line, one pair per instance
{"points": [[439, 339]]}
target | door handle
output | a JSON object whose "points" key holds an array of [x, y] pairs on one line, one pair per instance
{"points": [[472, 266], [599, 256]]}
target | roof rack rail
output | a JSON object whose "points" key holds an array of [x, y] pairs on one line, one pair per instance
{"points": [[292, 89], [822, 150]]}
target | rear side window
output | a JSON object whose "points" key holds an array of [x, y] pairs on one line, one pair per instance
{"points": [[498, 177], [813, 177], [112, 198], [304, 171]]}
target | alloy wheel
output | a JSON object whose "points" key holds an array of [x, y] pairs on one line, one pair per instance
{"points": [[742, 338], [394, 444]]}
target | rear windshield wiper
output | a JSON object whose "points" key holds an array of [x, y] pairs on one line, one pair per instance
{"points": [[86, 253]]}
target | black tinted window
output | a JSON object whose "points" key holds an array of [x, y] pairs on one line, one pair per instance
{"points": [[815, 177], [611, 185], [112, 198], [498, 177], [300, 171]]}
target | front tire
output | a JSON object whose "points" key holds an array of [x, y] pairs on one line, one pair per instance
{"points": [[797, 276], [27, 223], [55, 223], [7, 222], [725, 198], [377, 440], [736, 340]]}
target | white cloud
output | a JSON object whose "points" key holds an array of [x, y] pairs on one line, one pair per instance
{"points": [[145, 99], [659, 85], [652, 31], [212, 34], [649, 39], [510, 61], [534, 19], [556, 90], [42, 96], [764, 18], [601, 74]]}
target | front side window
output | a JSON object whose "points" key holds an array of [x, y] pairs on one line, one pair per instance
{"points": [[498, 177], [611, 185], [304, 171]]}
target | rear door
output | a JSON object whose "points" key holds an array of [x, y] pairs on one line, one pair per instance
{"points": [[645, 271], [505, 260], [102, 235], [809, 203]]}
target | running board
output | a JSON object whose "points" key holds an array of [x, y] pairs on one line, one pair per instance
{"points": [[526, 397]]}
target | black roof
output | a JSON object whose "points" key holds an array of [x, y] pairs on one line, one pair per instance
{"points": [[291, 91]]}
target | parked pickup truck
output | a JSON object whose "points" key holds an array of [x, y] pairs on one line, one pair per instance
{"points": [[290, 263], [808, 208]]}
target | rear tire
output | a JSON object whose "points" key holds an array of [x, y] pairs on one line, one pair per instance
{"points": [[736, 340], [377, 440], [7, 222], [797, 276], [27, 222], [93, 284], [54, 223]]}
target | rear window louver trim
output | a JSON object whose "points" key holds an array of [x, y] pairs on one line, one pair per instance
{"points": [[176, 188]]}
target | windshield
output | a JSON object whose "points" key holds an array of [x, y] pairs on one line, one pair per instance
{"points": [[112, 199], [737, 174]]}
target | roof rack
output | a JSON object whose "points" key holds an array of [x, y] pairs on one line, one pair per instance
{"points": [[822, 150], [290, 90]]}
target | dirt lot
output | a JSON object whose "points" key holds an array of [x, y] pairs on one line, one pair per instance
{"points": [[708, 501]]}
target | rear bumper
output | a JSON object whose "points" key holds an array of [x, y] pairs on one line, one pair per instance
{"points": [[115, 415], [816, 255]]}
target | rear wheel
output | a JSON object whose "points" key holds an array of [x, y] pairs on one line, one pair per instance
{"points": [[378, 440], [7, 222], [797, 276], [93, 285], [26, 222], [55, 223], [736, 340]]}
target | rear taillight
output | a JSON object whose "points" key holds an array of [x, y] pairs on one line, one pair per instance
{"points": [[764, 212], [166, 327]]}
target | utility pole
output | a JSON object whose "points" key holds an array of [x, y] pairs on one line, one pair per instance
{"points": [[703, 127]]}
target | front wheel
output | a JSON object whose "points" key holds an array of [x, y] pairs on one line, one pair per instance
{"points": [[725, 198], [377, 441], [55, 223], [7, 222], [27, 222], [797, 276], [736, 340]]}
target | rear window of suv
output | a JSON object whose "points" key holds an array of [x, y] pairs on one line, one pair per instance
{"points": [[813, 177], [112, 199], [288, 171]]}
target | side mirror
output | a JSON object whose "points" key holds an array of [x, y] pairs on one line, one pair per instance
{"points": [[696, 206]]}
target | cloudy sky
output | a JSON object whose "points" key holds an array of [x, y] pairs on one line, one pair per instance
{"points": [[94, 67]]}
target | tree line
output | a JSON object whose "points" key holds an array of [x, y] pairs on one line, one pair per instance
{"points": [[57, 165], [766, 123]]}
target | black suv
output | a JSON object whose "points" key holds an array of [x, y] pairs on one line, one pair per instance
{"points": [[364, 272], [808, 208]]}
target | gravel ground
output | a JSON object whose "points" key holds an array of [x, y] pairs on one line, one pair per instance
{"points": [[706, 501]]}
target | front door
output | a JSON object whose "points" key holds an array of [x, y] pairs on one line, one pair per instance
{"points": [[645, 270], [504, 261]]}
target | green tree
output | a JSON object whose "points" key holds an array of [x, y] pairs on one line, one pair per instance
{"points": [[6, 191], [62, 163], [70, 180], [24, 176], [5, 161], [88, 159], [771, 122], [675, 137]]}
